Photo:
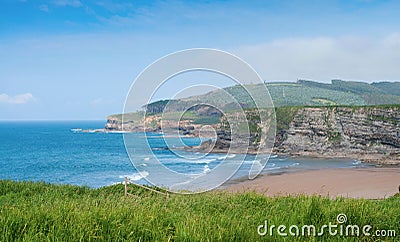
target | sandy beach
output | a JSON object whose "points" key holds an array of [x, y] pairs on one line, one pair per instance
{"points": [[369, 183]]}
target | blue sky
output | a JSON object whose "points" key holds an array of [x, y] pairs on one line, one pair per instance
{"points": [[76, 59]]}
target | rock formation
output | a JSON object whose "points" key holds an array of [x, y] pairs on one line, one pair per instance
{"points": [[365, 133], [369, 134]]}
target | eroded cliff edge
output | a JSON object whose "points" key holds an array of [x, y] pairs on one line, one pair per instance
{"points": [[369, 134]]}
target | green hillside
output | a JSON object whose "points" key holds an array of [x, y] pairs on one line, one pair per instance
{"points": [[300, 93], [283, 94], [311, 95]]}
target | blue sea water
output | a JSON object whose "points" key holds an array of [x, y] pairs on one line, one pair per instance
{"points": [[50, 151]]}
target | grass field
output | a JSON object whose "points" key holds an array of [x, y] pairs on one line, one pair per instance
{"points": [[44, 212]]}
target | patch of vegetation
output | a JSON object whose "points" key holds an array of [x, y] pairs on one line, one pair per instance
{"points": [[324, 101], [388, 87], [128, 117], [303, 95], [154, 123], [334, 136], [254, 119], [158, 106], [285, 116], [44, 212], [206, 120], [379, 99], [354, 87], [271, 84]]}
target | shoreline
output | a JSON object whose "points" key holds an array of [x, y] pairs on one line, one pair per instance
{"points": [[367, 183], [366, 157], [375, 159]]}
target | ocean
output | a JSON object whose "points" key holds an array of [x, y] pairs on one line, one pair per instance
{"points": [[54, 152]]}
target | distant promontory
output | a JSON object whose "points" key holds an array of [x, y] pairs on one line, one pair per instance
{"points": [[339, 120]]}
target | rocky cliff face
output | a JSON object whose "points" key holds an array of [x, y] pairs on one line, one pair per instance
{"points": [[153, 124], [115, 124], [370, 134]]}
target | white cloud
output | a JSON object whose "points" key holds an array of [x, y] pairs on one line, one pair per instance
{"points": [[17, 99], [44, 8], [325, 58], [71, 3], [115, 6]]}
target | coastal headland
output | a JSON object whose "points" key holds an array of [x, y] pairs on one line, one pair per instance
{"points": [[349, 120], [366, 133]]}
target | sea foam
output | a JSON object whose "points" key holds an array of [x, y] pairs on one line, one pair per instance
{"points": [[135, 176]]}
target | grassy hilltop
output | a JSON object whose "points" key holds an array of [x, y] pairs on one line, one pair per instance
{"points": [[284, 94], [341, 93], [300, 93], [44, 212]]}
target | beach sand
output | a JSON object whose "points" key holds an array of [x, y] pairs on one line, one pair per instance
{"points": [[369, 183]]}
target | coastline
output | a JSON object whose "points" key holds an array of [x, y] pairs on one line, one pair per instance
{"points": [[377, 159], [379, 181], [366, 133], [367, 183]]}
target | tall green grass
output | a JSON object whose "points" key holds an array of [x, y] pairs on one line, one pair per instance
{"points": [[43, 212]]}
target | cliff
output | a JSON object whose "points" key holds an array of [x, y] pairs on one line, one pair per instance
{"points": [[134, 122], [370, 134]]}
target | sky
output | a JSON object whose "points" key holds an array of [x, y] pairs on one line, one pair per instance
{"points": [[76, 59]]}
